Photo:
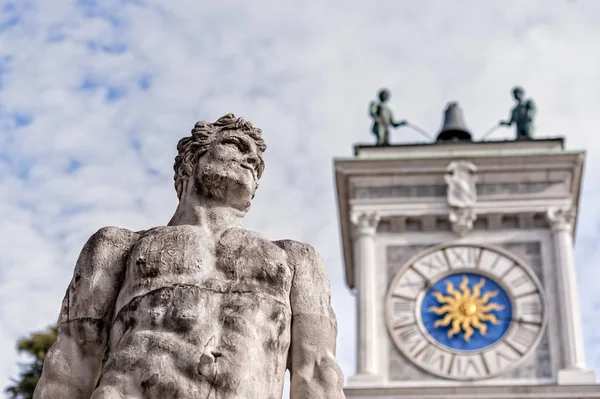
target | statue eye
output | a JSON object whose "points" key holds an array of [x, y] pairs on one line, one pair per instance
{"points": [[235, 143]]}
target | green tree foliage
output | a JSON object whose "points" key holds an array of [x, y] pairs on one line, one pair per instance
{"points": [[36, 346]]}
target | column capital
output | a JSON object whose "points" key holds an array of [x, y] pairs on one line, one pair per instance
{"points": [[561, 219], [365, 223]]}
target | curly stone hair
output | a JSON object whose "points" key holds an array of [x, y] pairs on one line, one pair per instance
{"points": [[203, 134]]}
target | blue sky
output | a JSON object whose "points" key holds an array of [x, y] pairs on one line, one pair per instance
{"points": [[95, 94]]}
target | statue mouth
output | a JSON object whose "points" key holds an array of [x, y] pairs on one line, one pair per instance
{"points": [[250, 168]]}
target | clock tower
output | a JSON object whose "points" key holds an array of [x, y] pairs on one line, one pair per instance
{"points": [[460, 254]]}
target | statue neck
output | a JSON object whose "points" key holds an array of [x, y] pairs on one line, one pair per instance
{"points": [[213, 216]]}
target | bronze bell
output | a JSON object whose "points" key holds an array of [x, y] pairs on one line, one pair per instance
{"points": [[454, 127]]}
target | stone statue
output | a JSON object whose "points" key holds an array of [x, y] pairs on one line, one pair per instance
{"points": [[200, 308], [383, 118], [461, 195], [522, 115]]}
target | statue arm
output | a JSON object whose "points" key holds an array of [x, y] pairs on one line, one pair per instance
{"points": [[400, 123], [73, 364], [509, 121], [396, 123], [531, 109], [374, 111], [314, 371]]}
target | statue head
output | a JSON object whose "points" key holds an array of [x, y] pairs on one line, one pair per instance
{"points": [[221, 160], [518, 93], [384, 95]]}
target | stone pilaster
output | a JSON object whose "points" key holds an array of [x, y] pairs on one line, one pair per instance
{"points": [[364, 229], [573, 372]]}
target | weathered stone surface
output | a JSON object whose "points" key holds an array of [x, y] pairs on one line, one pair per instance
{"points": [[201, 308]]}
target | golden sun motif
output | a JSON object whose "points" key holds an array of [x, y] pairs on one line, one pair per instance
{"points": [[465, 309]]}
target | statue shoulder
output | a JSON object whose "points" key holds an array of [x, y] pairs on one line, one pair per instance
{"points": [[106, 249], [303, 258], [297, 249], [113, 238], [530, 104], [98, 274], [373, 107]]}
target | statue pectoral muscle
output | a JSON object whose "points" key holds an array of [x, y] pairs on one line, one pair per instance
{"points": [[201, 307]]}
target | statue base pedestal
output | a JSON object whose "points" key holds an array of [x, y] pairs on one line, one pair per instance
{"points": [[575, 377]]}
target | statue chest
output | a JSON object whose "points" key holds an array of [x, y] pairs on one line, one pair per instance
{"points": [[237, 261], [521, 114]]}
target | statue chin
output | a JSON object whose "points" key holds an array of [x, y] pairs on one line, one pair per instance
{"points": [[233, 189]]}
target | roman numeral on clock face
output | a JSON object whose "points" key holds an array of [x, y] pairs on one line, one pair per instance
{"points": [[401, 306], [467, 366], [532, 308], [529, 309], [523, 337], [437, 359], [518, 281], [494, 263], [410, 285], [432, 265], [403, 312], [463, 257], [411, 339], [500, 357], [407, 334]]}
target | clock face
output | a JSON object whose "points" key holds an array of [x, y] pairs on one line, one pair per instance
{"points": [[465, 311]]}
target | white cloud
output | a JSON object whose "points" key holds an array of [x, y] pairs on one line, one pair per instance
{"points": [[305, 74]]}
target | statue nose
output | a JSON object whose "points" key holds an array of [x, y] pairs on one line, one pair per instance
{"points": [[253, 161]]}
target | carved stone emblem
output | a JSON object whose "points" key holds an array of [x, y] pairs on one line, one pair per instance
{"points": [[461, 195]]}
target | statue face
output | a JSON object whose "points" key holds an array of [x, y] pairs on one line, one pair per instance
{"points": [[384, 96], [518, 95], [228, 170]]}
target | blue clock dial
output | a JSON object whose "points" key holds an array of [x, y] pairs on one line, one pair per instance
{"points": [[466, 311]]}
